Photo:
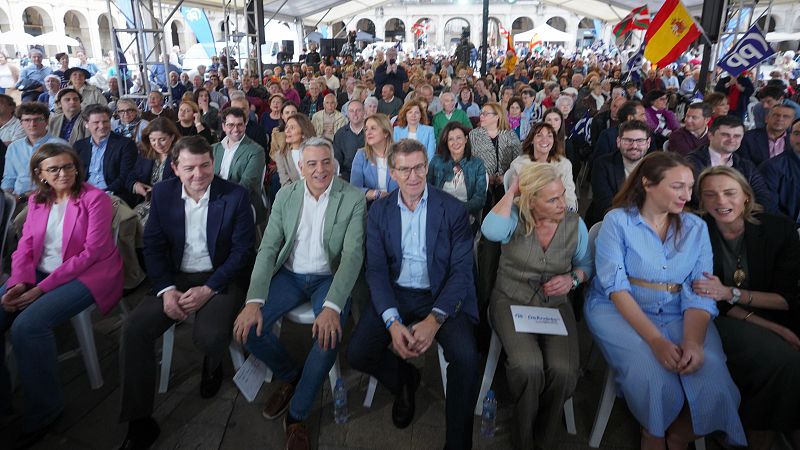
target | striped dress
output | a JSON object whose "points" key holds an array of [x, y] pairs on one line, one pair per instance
{"points": [[628, 246]]}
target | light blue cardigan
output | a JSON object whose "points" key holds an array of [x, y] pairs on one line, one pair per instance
{"points": [[425, 135], [364, 174]]}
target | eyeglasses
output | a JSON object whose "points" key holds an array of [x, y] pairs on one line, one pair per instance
{"points": [[32, 120], [54, 170], [629, 141], [126, 111], [488, 113], [419, 169]]}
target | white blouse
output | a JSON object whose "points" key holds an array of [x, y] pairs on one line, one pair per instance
{"points": [[51, 255]]}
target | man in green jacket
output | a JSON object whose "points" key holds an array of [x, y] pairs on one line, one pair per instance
{"points": [[312, 251], [449, 113], [239, 159]]}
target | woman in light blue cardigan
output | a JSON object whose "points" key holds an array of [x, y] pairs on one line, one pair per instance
{"points": [[412, 122], [370, 169]]}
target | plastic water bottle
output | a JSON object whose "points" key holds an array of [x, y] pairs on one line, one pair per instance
{"points": [[488, 416], [340, 402]]}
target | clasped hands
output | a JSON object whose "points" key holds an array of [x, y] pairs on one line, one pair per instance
{"points": [[19, 297], [682, 359], [178, 305], [414, 341]]}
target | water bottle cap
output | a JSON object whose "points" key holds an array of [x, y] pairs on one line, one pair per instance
{"points": [[490, 395]]}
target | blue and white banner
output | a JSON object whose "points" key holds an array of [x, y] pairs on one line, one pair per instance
{"points": [[583, 129], [634, 65], [751, 49], [198, 22]]}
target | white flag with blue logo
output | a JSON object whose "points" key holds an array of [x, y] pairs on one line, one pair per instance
{"points": [[634, 64], [583, 129], [751, 49]]}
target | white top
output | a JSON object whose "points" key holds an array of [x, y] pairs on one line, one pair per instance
{"points": [[382, 168], [718, 159], [6, 78], [564, 170], [308, 253], [51, 255], [456, 187], [227, 156], [412, 135], [296, 159], [629, 166], [195, 248]]}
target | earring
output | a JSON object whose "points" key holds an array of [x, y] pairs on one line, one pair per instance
{"points": [[43, 181]]}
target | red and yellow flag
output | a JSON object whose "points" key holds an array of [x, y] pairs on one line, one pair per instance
{"points": [[511, 55], [670, 33], [536, 41]]}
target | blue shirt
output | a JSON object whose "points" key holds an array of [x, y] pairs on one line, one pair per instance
{"points": [[17, 175], [31, 72], [96, 164]]}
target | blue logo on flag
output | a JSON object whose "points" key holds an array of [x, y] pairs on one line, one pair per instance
{"points": [[583, 129], [751, 49]]}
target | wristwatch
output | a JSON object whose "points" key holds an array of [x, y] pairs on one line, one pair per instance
{"points": [[575, 280], [439, 316], [737, 294]]}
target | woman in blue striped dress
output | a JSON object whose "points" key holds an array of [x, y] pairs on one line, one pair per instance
{"points": [[654, 331]]}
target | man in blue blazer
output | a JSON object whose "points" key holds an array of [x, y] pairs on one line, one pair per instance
{"points": [[420, 274], [761, 144], [198, 248]]}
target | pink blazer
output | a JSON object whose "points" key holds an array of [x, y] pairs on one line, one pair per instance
{"points": [[88, 248]]}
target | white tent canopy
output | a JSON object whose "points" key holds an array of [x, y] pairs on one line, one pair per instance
{"points": [[545, 33]]}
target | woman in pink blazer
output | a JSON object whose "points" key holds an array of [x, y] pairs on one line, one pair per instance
{"points": [[66, 261]]}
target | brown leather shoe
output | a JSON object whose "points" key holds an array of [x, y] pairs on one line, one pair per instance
{"points": [[296, 436], [278, 403]]}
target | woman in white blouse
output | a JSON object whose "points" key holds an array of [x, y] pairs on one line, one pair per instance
{"points": [[298, 129], [370, 170]]}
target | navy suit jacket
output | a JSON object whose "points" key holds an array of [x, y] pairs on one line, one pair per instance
{"points": [[118, 161], [608, 175], [230, 233], [701, 159], [755, 145], [448, 239], [143, 171]]}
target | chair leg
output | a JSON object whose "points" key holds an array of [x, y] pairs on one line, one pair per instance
{"points": [[443, 368], [82, 322], [334, 375], [166, 359], [373, 384], [607, 399], [276, 330], [237, 355], [569, 416], [488, 373]]}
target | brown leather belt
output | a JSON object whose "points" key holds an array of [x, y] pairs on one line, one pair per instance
{"points": [[669, 287]]}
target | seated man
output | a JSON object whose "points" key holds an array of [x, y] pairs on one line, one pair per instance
{"points": [[782, 176], [610, 171], [724, 138], [419, 269], [349, 138], [156, 108], [198, 246], [312, 251], [607, 142], [761, 144], [68, 124], [693, 133], [240, 160], [768, 97]]}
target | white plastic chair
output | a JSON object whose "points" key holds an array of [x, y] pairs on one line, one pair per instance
{"points": [[373, 382], [82, 323]]}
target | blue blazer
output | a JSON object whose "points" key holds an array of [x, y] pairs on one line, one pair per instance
{"points": [[425, 135], [230, 231], [755, 145], [448, 241], [118, 161], [142, 171], [364, 173]]}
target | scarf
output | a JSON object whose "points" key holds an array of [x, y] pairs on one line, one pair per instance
{"points": [[129, 129], [464, 106], [514, 122]]}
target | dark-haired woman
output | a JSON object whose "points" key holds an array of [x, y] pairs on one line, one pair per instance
{"points": [[756, 269], [456, 171], [152, 163], [66, 261], [654, 330], [660, 119]]}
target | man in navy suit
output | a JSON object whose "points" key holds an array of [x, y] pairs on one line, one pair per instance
{"points": [[420, 275], [198, 248], [761, 144]]}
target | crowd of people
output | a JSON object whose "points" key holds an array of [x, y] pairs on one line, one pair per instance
{"points": [[431, 200]]}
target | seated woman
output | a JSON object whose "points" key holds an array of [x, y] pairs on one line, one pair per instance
{"points": [[65, 262], [496, 145], [660, 119], [456, 171], [412, 123], [153, 164], [542, 146], [544, 257], [555, 119], [515, 122], [466, 104], [370, 170], [209, 113], [130, 123], [328, 121], [298, 129], [190, 122], [271, 119], [756, 268], [654, 331]]}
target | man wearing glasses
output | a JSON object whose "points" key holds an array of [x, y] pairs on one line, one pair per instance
{"points": [[420, 274], [16, 174], [610, 171]]}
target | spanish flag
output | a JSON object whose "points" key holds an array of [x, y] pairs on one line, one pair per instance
{"points": [[511, 55], [670, 33]]}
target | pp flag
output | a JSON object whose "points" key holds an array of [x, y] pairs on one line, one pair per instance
{"points": [[751, 49], [198, 22], [583, 129], [634, 64]]}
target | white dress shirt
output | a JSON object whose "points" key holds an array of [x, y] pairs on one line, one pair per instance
{"points": [[51, 257], [719, 159], [227, 157], [195, 248]]}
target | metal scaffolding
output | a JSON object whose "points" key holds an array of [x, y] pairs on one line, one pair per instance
{"points": [[244, 44]]}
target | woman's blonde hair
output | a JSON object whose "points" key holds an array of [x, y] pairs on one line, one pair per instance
{"points": [[532, 179], [502, 120], [751, 207], [383, 123]]}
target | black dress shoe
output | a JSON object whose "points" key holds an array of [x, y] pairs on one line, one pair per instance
{"points": [[404, 402], [142, 433], [212, 379]]}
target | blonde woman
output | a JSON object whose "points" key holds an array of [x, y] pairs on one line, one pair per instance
{"points": [[370, 169], [545, 256], [496, 144]]}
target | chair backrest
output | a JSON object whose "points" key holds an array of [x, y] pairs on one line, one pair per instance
{"points": [[593, 232], [10, 204], [507, 177]]}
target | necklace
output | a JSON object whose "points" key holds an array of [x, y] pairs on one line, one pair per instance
{"points": [[739, 275]]}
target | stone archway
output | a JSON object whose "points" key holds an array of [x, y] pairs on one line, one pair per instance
{"points": [[366, 25], [36, 21], [76, 26], [767, 23], [496, 38], [453, 29], [176, 29], [395, 30], [559, 23], [104, 29], [586, 34], [521, 25], [5, 25]]}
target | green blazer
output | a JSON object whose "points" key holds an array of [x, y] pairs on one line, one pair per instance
{"points": [[343, 238], [247, 170], [440, 120]]}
